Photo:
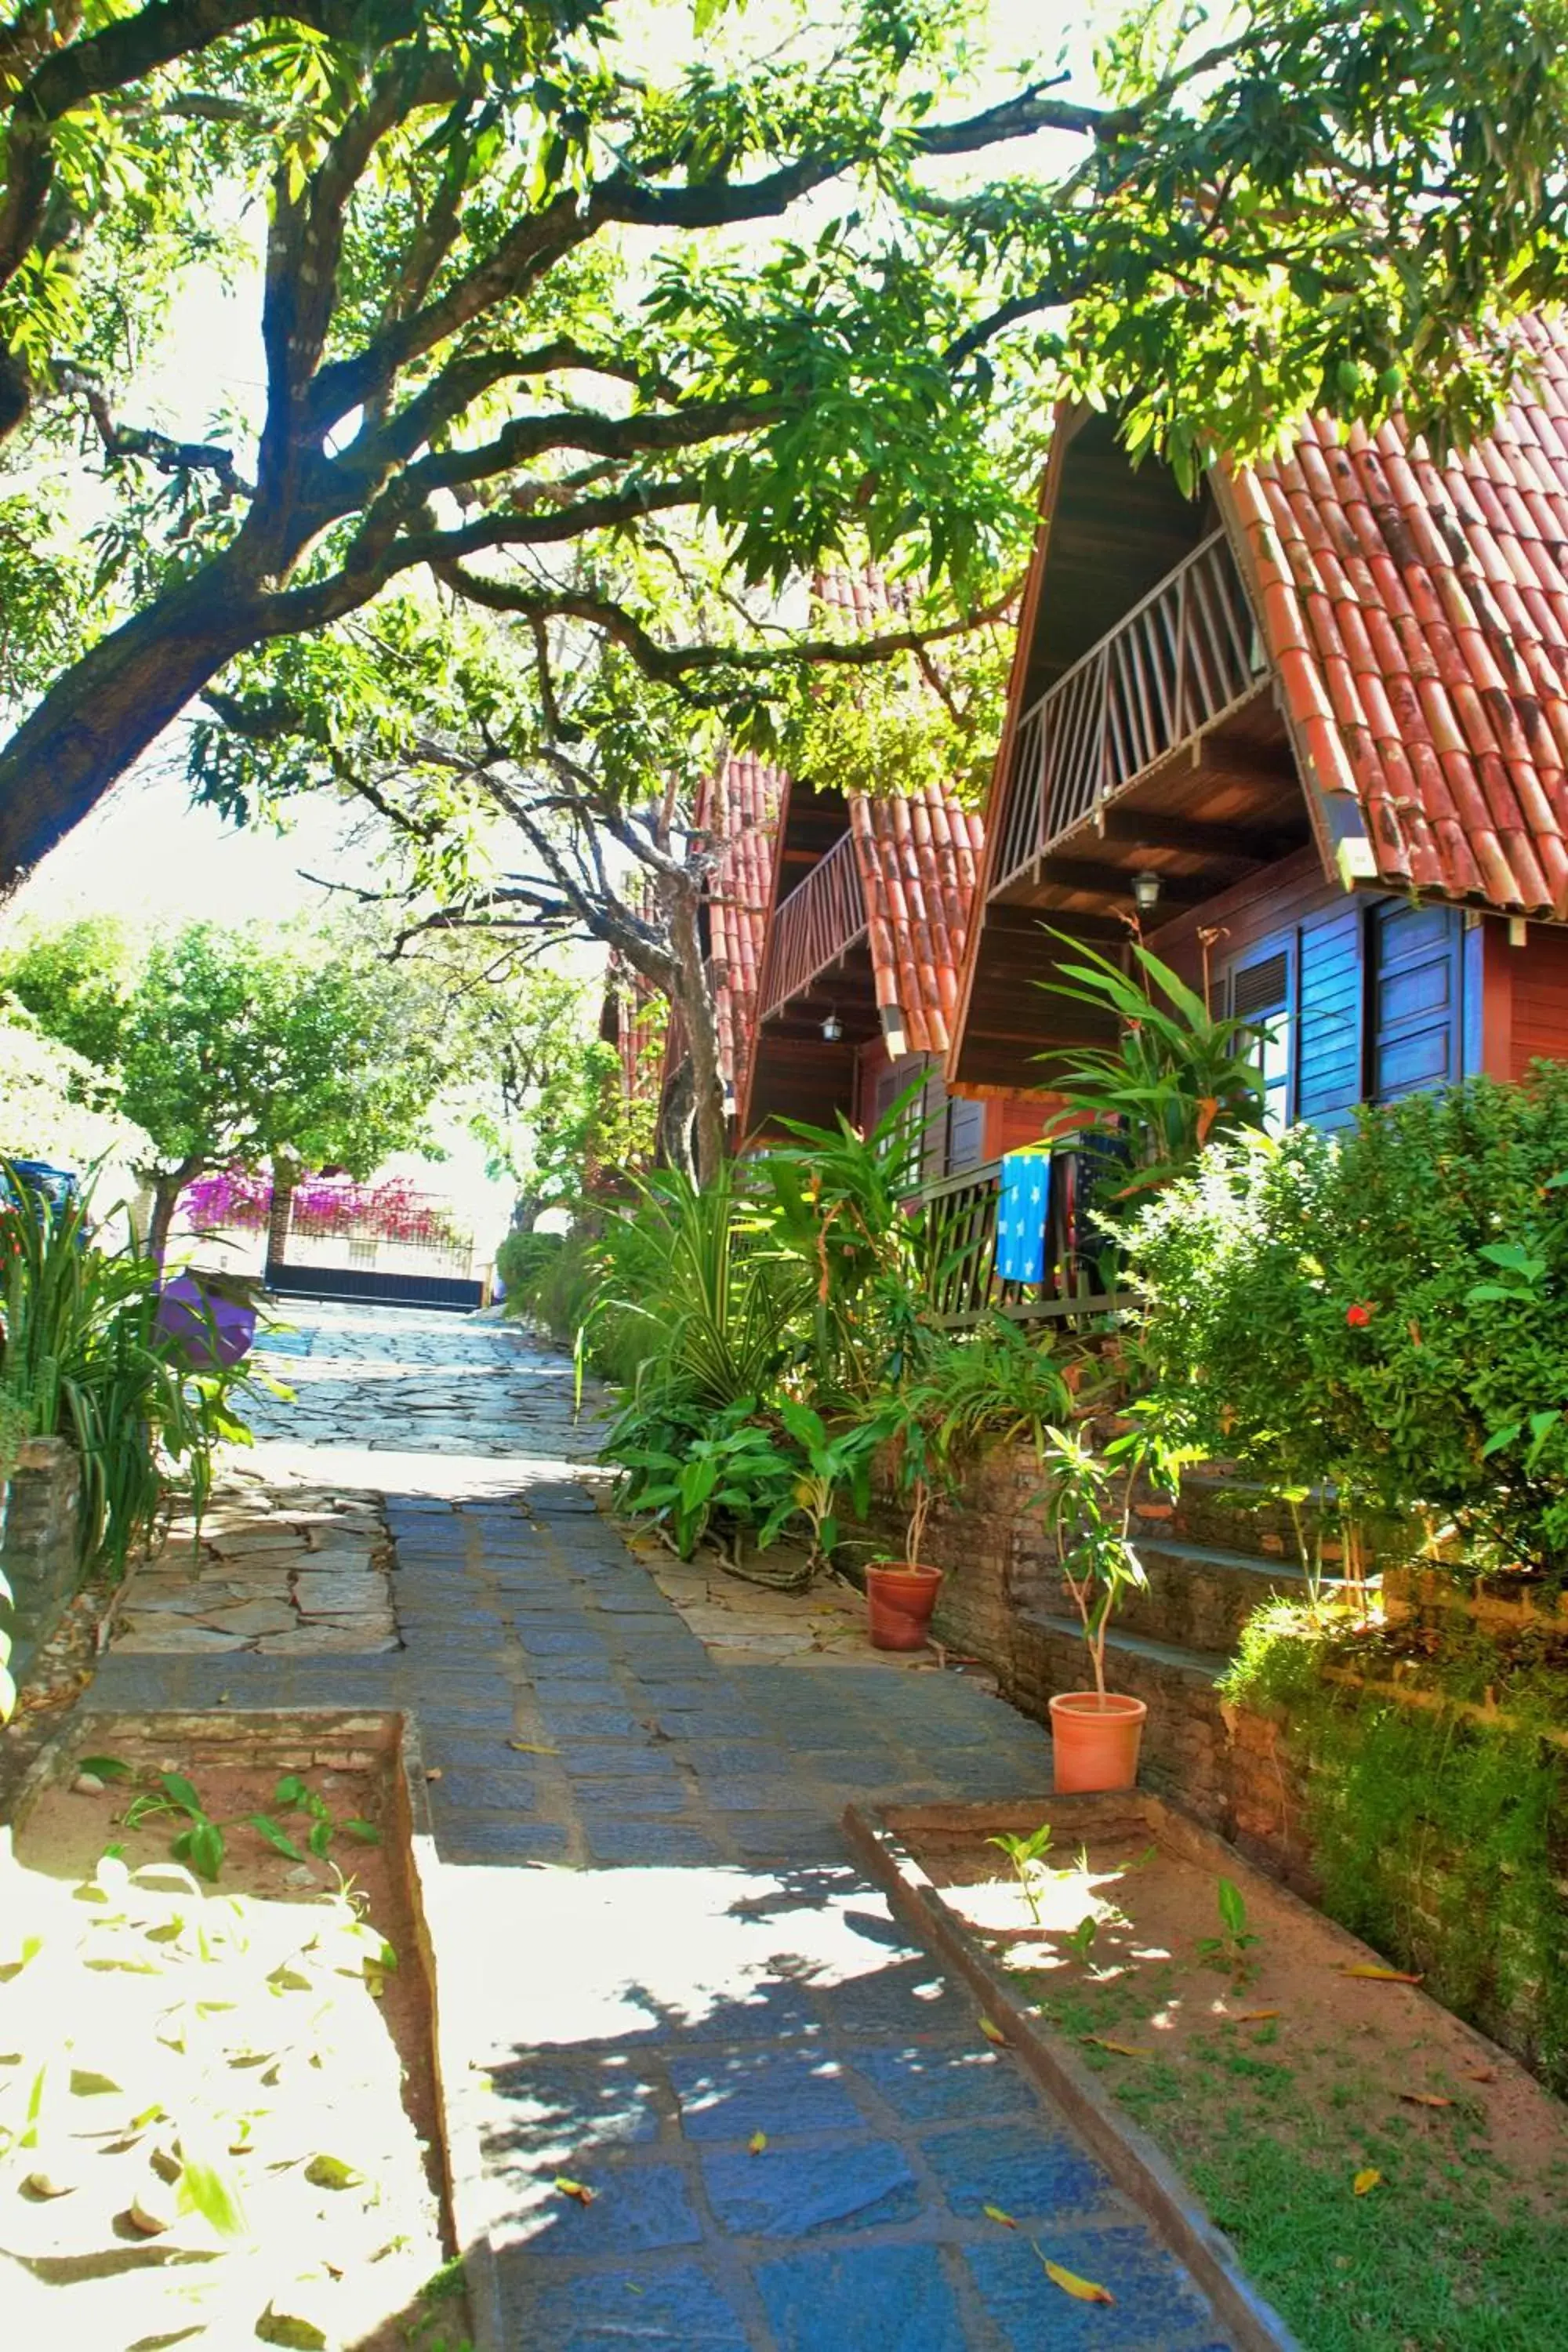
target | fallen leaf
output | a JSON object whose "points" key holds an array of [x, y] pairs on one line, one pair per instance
{"points": [[150, 2215], [993, 2033], [532, 1747], [1424, 2099], [1122, 2049], [1256, 2016], [1365, 2181], [1083, 2289], [1385, 1976], [434, 1773], [756, 2143], [1478, 2073], [994, 2213], [332, 2172], [578, 2188], [287, 2327]]}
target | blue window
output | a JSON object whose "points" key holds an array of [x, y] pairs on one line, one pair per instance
{"points": [[1363, 1004]]}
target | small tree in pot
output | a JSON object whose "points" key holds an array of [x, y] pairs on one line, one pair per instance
{"points": [[902, 1593], [1088, 1509]]}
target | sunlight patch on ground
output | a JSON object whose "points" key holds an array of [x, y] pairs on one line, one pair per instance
{"points": [[201, 2116], [611, 1961]]}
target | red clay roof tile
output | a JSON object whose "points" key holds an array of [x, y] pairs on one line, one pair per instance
{"points": [[919, 859], [1417, 616], [739, 810]]}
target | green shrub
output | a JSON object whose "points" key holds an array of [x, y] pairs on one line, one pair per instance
{"points": [[1387, 1312], [525, 1263], [993, 1384], [1437, 1834], [84, 1358], [702, 1289]]}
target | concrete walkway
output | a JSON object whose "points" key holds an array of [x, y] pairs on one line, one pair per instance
{"points": [[648, 1937]]}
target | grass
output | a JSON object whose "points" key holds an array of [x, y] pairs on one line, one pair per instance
{"points": [[1449, 2252]]}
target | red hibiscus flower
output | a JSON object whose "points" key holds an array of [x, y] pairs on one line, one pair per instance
{"points": [[1359, 1316]]}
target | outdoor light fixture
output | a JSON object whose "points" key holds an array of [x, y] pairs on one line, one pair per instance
{"points": [[1146, 891], [832, 1029]]}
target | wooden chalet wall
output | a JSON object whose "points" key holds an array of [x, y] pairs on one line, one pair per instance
{"points": [[1524, 1010]]}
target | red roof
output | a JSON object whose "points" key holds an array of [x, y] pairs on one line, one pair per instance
{"points": [[739, 810], [1417, 616], [919, 860]]}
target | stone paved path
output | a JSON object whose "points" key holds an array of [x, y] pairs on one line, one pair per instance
{"points": [[650, 1944]]}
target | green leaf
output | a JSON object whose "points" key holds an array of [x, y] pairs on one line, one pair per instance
{"points": [[320, 1837], [366, 1832], [176, 1786], [210, 2190], [290, 1790], [87, 2085], [1502, 1437], [105, 1768], [332, 2172], [269, 1829], [202, 1846]]}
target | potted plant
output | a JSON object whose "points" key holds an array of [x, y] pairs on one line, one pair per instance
{"points": [[1095, 1734], [902, 1593]]}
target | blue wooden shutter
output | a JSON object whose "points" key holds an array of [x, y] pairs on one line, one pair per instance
{"points": [[1332, 1018], [1417, 1034]]}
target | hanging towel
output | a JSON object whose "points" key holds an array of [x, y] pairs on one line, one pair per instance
{"points": [[1021, 1216]]}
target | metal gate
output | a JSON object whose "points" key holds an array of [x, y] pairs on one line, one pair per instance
{"points": [[381, 1242]]}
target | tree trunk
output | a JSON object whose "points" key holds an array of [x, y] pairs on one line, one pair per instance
{"points": [[165, 1185], [695, 1000], [526, 1210], [284, 1180], [108, 708], [675, 1128], [166, 1190]]}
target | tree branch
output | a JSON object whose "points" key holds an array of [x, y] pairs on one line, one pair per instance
{"points": [[671, 663], [169, 455]]}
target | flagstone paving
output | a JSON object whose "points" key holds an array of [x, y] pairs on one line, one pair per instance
{"points": [[651, 1946]]}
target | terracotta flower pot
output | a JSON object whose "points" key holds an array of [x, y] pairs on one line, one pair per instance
{"points": [[1095, 1740], [901, 1598]]}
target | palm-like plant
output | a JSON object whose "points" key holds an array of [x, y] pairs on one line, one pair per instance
{"points": [[1178, 1076], [721, 1304], [840, 1204], [85, 1358]]}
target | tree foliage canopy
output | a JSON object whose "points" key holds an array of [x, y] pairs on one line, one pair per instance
{"points": [[540, 279], [236, 1048]]}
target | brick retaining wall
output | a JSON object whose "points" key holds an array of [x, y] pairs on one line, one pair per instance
{"points": [[40, 1552]]}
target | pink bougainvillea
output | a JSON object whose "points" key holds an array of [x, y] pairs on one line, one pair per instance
{"points": [[324, 1208]]}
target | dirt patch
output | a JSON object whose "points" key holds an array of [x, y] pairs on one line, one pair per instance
{"points": [[270, 2024], [1392, 2182]]}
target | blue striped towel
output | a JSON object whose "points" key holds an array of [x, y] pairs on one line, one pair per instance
{"points": [[1021, 1213]]}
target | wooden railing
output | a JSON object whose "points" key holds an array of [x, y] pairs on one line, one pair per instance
{"points": [[959, 1242], [821, 916], [1182, 659]]}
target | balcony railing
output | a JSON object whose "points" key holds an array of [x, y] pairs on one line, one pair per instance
{"points": [[1182, 659], [813, 928], [958, 1241]]}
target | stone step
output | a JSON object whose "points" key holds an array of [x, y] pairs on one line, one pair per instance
{"points": [[1199, 1596], [1214, 1508], [1202, 1668]]}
